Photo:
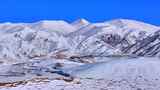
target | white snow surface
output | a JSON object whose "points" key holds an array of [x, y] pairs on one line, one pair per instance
{"points": [[95, 55], [120, 69], [125, 74]]}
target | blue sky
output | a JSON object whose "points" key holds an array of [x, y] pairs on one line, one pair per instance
{"points": [[70, 10]]}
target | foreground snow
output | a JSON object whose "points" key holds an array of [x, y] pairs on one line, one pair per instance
{"points": [[125, 74], [90, 85], [117, 69]]}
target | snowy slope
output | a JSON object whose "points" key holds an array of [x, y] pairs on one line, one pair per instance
{"points": [[117, 69], [28, 40], [119, 36]]}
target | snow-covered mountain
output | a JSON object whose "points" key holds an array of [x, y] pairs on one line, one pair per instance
{"points": [[81, 38], [57, 51], [119, 36], [28, 40]]}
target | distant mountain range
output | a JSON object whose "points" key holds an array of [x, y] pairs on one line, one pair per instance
{"points": [[80, 38]]}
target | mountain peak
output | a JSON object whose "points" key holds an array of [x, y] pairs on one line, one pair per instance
{"points": [[132, 24], [129, 21], [53, 25], [80, 23], [43, 22], [82, 20]]}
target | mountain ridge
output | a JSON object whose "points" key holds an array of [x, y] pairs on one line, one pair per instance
{"points": [[119, 36]]}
